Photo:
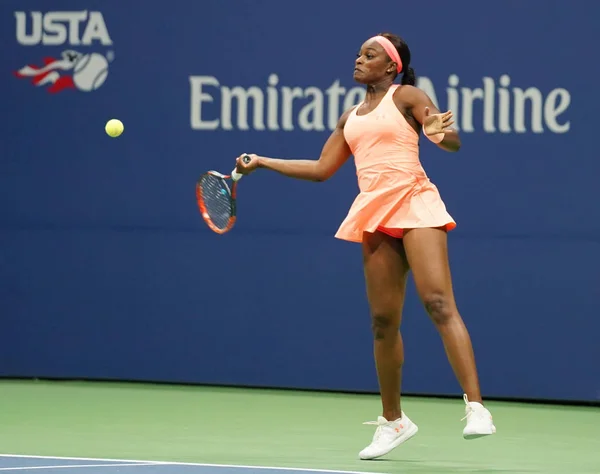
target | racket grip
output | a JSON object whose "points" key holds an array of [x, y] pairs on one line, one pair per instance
{"points": [[237, 176]]}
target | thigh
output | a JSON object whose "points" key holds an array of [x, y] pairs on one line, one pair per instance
{"points": [[385, 267], [427, 253]]}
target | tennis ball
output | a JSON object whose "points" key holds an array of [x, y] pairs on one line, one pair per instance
{"points": [[114, 127]]}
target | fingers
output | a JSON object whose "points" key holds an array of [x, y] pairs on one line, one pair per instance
{"points": [[444, 117], [448, 119], [240, 159], [245, 167]]}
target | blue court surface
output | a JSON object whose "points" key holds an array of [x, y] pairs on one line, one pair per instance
{"points": [[59, 465]]}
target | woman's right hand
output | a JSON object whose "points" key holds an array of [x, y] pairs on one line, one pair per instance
{"points": [[246, 168]]}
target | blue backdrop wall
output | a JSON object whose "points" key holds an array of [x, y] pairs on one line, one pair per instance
{"points": [[107, 270]]}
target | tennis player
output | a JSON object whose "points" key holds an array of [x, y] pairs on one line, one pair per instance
{"points": [[401, 222]]}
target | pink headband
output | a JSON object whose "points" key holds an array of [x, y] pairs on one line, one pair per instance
{"points": [[390, 49]]}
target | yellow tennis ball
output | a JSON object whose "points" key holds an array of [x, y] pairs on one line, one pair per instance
{"points": [[114, 127]]}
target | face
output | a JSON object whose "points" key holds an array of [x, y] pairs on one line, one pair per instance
{"points": [[372, 63]]}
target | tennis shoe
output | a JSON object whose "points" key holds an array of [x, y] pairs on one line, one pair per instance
{"points": [[479, 420], [388, 435]]}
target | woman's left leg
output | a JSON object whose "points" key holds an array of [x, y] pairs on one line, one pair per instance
{"points": [[427, 254]]}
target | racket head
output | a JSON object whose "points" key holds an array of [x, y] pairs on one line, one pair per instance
{"points": [[216, 201]]}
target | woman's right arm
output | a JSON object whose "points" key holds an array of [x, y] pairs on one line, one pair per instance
{"points": [[334, 154]]}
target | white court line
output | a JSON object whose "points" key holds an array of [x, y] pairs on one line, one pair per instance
{"points": [[73, 466], [175, 463]]}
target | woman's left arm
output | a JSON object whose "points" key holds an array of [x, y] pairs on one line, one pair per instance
{"points": [[436, 125]]}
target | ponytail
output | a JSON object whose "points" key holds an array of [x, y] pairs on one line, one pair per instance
{"points": [[409, 77]]}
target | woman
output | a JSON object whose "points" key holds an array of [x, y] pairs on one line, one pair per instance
{"points": [[401, 222]]}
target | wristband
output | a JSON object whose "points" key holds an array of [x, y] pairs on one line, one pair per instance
{"points": [[435, 138]]}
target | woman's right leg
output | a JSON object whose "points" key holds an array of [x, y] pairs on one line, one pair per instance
{"points": [[386, 268]]}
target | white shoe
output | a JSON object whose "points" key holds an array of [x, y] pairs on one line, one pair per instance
{"points": [[388, 435], [479, 420]]}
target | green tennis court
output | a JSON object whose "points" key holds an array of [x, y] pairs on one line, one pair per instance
{"points": [[285, 429]]}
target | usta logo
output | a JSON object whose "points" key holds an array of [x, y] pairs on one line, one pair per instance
{"points": [[74, 69]]}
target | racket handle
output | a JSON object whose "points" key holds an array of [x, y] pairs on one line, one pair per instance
{"points": [[237, 176]]}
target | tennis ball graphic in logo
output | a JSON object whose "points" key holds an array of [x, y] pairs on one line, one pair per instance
{"points": [[90, 71]]}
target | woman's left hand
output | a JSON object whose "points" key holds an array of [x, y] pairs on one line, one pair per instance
{"points": [[437, 123]]}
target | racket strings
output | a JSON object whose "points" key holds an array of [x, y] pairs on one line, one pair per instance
{"points": [[217, 200]]}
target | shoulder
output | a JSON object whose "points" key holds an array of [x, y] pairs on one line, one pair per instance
{"points": [[409, 95], [344, 117]]}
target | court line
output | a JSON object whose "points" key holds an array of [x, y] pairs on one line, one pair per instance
{"points": [[177, 463], [73, 466]]}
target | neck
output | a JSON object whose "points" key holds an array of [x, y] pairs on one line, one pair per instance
{"points": [[377, 89]]}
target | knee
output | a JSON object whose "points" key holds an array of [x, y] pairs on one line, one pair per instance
{"points": [[383, 325], [439, 307]]}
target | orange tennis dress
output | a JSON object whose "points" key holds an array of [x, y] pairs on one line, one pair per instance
{"points": [[395, 192]]}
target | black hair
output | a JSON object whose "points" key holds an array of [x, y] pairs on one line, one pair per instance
{"points": [[408, 73]]}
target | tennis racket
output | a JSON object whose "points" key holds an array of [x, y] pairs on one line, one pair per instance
{"points": [[217, 199]]}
